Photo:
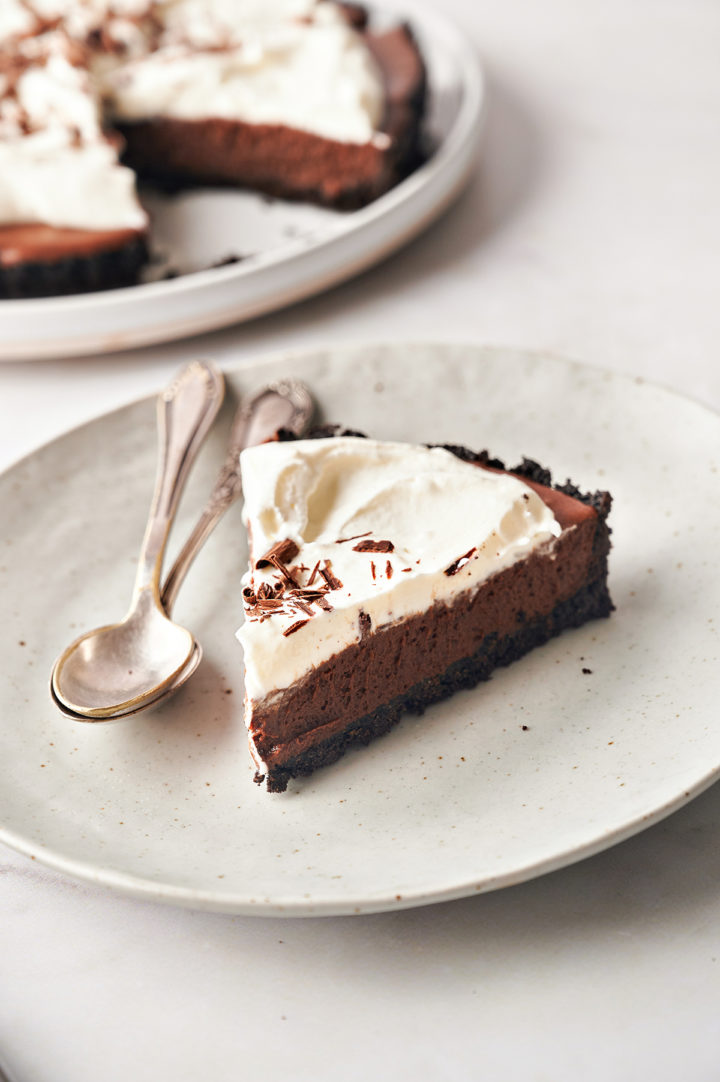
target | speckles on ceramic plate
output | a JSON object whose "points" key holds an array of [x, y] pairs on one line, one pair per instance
{"points": [[543, 764]]}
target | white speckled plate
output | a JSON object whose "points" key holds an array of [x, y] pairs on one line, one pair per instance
{"points": [[286, 251], [583, 743]]}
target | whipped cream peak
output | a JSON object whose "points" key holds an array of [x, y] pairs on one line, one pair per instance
{"points": [[359, 533]]}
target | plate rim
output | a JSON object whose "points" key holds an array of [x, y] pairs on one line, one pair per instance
{"points": [[149, 890], [378, 901]]}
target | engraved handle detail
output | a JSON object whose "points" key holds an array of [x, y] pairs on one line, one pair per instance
{"points": [[283, 404], [185, 413]]}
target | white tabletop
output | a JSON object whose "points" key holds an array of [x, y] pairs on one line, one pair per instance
{"points": [[592, 228]]}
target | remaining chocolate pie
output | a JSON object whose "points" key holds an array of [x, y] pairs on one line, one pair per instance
{"points": [[385, 576], [296, 98]]}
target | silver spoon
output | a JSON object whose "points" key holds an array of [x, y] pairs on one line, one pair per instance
{"points": [[109, 670], [283, 404]]}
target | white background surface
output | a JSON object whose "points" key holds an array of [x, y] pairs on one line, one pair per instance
{"points": [[593, 229]]}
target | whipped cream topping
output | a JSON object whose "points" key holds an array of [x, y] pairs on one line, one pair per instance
{"points": [[56, 164], [368, 533], [296, 63]]}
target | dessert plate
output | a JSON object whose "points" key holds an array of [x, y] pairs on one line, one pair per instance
{"points": [[584, 742], [265, 254]]}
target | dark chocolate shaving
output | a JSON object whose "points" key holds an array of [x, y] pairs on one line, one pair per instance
{"points": [[295, 627], [285, 572], [374, 546], [287, 596], [332, 580], [343, 540], [389, 569], [313, 573], [459, 563]]}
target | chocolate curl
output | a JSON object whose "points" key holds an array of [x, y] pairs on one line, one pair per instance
{"points": [[282, 552]]}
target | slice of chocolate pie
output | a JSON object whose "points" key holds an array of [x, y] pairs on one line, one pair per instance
{"points": [[386, 576]]}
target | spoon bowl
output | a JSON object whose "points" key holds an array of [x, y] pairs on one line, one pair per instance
{"points": [[137, 705], [121, 665]]}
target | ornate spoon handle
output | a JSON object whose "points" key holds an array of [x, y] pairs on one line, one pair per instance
{"points": [[284, 404], [185, 413]]}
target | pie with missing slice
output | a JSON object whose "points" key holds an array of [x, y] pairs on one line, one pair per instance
{"points": [[302, 99]]}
